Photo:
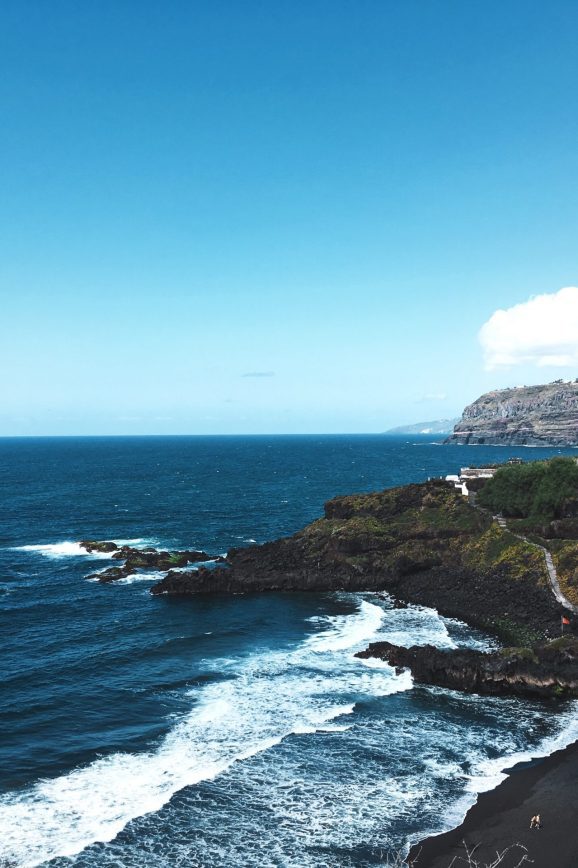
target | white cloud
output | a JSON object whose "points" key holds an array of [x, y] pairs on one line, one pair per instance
{"points": [[542, 331]]}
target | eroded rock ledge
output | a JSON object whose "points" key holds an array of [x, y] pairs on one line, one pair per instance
{"points": [[549, 670]]}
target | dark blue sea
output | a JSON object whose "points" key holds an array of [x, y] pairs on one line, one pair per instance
{"points": [[223, 730]]}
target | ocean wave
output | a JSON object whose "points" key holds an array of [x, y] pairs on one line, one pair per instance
{"points": [[488, 773], [344, 631], [268, 697], [68, 549], [267, 701], [151, 576]]}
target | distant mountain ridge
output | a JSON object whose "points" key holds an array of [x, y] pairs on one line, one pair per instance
{"points": [[545, 415], [440, 426]]}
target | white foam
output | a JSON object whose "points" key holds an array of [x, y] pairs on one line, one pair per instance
{"points": [[489, 773], [416, 625], [153, 576], [269, 696], [61, 550], [345, 631], [69, 549], [375, 663]]}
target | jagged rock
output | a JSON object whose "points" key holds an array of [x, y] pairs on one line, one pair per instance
{"points": [[98, 546], [147, 558], [112, 574], [199, 581], [544, 415], [563, 528], [548, 670], [160, 560]]}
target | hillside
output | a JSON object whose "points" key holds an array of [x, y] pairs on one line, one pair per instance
{"points": [[525, 416]]}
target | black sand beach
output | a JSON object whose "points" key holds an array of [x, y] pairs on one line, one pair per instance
{"points": [[548, 787]]}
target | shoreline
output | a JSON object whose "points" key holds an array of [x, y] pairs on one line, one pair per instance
{"points": [[501, 817]]}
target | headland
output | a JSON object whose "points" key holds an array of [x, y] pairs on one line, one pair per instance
{"points": [[544, 415]]}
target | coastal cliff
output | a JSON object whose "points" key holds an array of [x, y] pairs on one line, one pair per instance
{"points": [[422, 543], [544, 415]]}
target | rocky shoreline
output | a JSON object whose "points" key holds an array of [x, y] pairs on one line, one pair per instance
{"points": [[499, 822], [423, 544], [136, 559]]}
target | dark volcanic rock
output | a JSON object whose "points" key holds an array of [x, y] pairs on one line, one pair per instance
{"points": [[423, 544], [98, 545], [146, 558], [549, 670], [112, 574], [159, 560], [199, 581], [526, 416]]}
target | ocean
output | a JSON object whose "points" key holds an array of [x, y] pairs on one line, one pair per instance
{"points": [[224, 730]]}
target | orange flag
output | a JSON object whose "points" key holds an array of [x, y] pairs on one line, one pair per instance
{"points": [[565, 620]]}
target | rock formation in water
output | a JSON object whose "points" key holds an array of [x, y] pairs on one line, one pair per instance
{"points": [[549, 670], [524, 416], [135, 559]]}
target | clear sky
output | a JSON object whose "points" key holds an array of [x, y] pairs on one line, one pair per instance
{"points": [[284, 216]]}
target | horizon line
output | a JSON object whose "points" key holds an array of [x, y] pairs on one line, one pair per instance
{"points": [[278, 434]]}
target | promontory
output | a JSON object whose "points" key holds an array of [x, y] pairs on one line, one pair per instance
{"points": [[428, 544], [544, 415], [504, 559]]}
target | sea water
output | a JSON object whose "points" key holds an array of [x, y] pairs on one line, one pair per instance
{"points": [[224, 730]]}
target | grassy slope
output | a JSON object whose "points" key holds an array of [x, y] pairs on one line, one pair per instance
{"points": [[413, 529], [541, 500]]}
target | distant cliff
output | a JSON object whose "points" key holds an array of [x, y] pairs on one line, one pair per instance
{"points": [[525, 416]]}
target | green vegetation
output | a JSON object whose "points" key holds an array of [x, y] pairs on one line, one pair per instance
{"points": [[428, 543], [519, 635], [564, 643], [540, 490], [519, 654], [498, 547]]}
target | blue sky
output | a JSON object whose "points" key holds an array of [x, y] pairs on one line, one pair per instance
{"points": [[333, 196]]}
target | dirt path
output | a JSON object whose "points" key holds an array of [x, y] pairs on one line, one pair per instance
{"points": [[550, 568]]}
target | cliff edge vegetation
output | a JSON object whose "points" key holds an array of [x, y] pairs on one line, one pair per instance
{"points": [[539, 500]]}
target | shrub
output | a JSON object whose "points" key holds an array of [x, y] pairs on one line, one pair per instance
{"points": [[538, 490]]}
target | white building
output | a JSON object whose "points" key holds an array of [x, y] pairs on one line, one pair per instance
{"points": [[467, 474]]}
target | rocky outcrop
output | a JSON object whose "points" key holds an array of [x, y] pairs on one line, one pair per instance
{"points": [[424, 544], [146, 558], [525, 416], [549, 670]]}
